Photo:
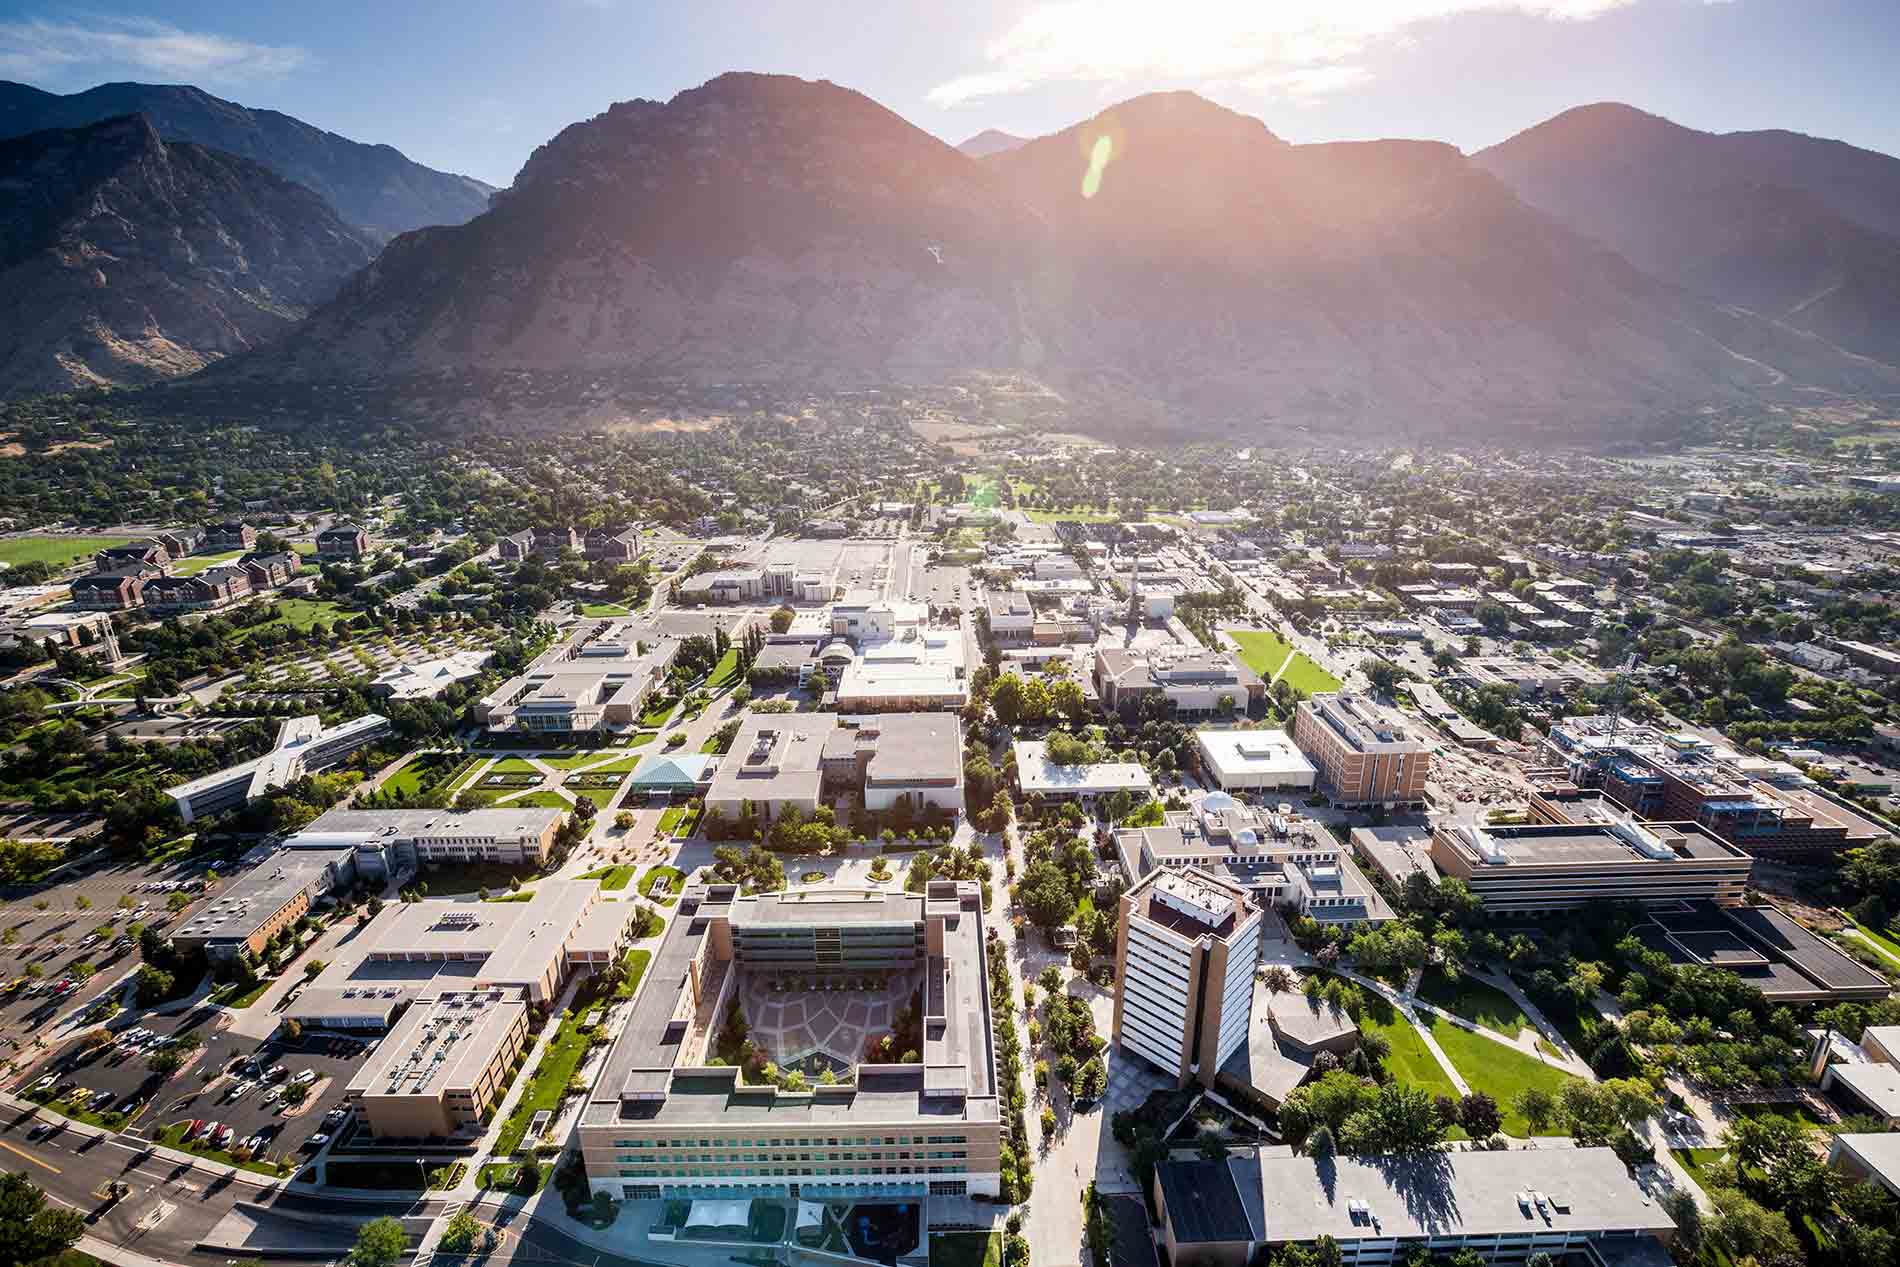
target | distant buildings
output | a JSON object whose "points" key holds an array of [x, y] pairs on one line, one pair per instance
{"points": [[1185, 947], [546, 544], [1363, 755], [304, 746], [207, 591], [342, 543], [231, 534], [1195, 683], [1766, 809], [429, 678], [615, 543], [1039, 779], [785, 760], [1292, 866], [600, 678]]}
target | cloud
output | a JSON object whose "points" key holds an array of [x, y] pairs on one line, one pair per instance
{"points": [[1299, 47], [37, 48]]}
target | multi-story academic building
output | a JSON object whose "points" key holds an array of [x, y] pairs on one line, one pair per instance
{"points": [[1185, 948], [664, 1121], [1364, 756]]}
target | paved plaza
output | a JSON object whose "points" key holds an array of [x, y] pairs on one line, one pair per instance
{"points": [[799, 1021]]}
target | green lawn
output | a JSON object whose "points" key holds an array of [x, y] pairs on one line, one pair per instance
{"points": [[673, 874], [1475, 1001], [623, 766], [575, 761], [245, 999], [544, 1089], [1072, 516], [636, 961], [1885, 939], [966, 1249], [670, 818], [203, 562], [536, 800], [604, 609], [600, 796], [1261, 650], [1500, 1072], [1265, 652], [512, 765], [445, 878], [301, 614], [526, 895], [612, 877], [657, 714], [58, 551], [1410, 1061], [726, 671], [1697, 1161], [424, 771]]}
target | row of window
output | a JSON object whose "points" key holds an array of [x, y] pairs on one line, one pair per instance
{"points": [[939, 1154], [813, 1142], [760, 1172]]}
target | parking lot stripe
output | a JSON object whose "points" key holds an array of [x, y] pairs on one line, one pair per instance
{"points": [[30, 1157]]}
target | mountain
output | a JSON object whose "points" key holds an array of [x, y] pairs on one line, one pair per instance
{"points": [[990, 141], [1802, 230], [1168, 266], [124, 258], [372, 186]]}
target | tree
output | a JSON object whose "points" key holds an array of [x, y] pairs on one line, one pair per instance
{"points": [[1045, 895], [459, 1236], [30, 1229], [1537, 1107], [1478, 1114], [1278, 979], [379, 1243], [1740, 1227], [1091, 1080], [155, 985], [165, 1062]]}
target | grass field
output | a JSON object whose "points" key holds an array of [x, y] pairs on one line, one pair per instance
{"points": [[966, 1249], [726, 672], [671, 873], [544, 1089], [1410, 1061], [512, 765], [244, 999], [58, 551], [203, 562], [600, 796], [1884, 938], [301, 614], [670, 818], [1697, 1160], [575, 761], [1072, 516], [636, 961], [612, 877], [1475, 1001], [1265, 652], [604, 609], [538, 800], [1501, 1072], [424, 771], [657, 714]]}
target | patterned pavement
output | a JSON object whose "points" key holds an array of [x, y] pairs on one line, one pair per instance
{"points": [[790, 1023]]}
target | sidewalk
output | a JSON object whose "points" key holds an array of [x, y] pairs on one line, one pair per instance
{"points": [[1400, 1001], [470, 1186]]}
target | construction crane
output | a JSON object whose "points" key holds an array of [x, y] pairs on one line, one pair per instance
{"points": [[1619, 691]]}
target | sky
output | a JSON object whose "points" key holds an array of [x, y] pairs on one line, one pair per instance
{"points": [[474, 85]]}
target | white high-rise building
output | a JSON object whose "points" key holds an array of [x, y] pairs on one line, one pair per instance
{"points": [[1185, 950]]}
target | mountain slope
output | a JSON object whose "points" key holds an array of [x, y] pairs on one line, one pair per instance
{"points": [[1168, 265], [124, 258], [373, 186], [990, 141], [1801, 230]]}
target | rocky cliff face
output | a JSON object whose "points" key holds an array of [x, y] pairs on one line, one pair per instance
{"points": [[1168, 265], [124, 258], [372, 186], [1801, 230]]}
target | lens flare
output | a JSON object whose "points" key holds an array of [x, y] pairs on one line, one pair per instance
{"points": [[1104, 149]]}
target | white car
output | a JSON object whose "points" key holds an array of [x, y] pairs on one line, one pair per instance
{"points": [[304, 1079], [273, 1095]]}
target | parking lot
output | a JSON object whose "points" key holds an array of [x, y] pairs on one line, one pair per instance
{"points": [[245, 1091], [949, 586], [117, 1076]]}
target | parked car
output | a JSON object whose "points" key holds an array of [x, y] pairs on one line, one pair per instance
{"points": [[278, 1073], [273, 1095], [318, 1140], [304, 1079], [39, 1132]]}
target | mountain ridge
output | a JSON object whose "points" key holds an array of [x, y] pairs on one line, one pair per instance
{"points": [[375, 187], [125, 258], [1204, 274]]}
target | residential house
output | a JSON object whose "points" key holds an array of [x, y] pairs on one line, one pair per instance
{"points": [[232, 534]]}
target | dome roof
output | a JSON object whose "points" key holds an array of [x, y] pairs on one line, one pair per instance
{"points": [[1215, 801]]}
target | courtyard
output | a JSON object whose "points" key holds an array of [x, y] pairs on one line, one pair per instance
{"points": [[813, 1021]]}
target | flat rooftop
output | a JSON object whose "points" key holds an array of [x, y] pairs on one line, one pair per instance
{"points": [[644, 1080], [1191, 903], [1040, 776], [404, 824], [1241, 752], [260, 893], [443, 1042], [1594, 844]]}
